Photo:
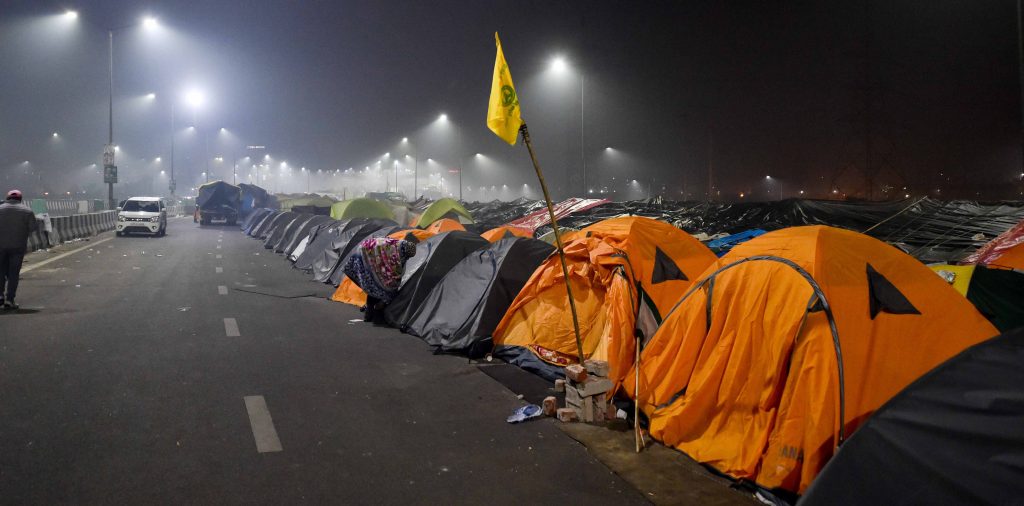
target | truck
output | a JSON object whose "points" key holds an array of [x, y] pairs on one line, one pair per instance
{"points": [[218, 201]]}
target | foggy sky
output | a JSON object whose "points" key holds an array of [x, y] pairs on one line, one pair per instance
{"points": [[755, 88]]}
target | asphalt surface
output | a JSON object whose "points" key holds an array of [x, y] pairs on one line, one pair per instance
{"points": [[120, 383]]}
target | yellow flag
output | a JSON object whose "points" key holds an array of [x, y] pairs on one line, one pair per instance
{"points": [[503, 109]]}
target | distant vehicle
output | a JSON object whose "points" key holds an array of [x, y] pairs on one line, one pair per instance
{"points": [[218, 201], [146, 215]]}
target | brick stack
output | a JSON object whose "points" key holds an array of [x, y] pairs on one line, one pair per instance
{"points": [[586, 390]]}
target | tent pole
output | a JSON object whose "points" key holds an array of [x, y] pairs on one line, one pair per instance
{"points": [[558, 240], [637, 432]]}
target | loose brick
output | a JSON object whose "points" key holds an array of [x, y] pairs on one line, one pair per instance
{"points": [[567, 415], [550, 405], [596, 367], [592, 386], [559, 385], [575, 372]]}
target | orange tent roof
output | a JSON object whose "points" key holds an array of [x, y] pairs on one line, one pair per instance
{"points": [[498, 233], [606, 262], [350, 293], [444, 225], [807, 331]]}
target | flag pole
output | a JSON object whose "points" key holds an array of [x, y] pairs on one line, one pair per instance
{"points": [[558, 239]]}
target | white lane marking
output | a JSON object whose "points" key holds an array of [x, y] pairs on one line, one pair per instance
{"points": [[263, 430], [231, 327], [62, 255], [218, 240], [219, 257], [220, 270], [222, 290], [218, 246]]}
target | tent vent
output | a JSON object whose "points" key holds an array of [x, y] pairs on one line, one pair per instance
{"points": [[665, 269], [884, 296]]}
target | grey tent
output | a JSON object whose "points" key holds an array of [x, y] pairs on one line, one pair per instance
{"points": [[263, 222], [254, 217], [954, 436], [268, 227], [434, 258], [461, 312], [282, 227], [298, 225], [326, 262], [303, 233], [319, 238]]}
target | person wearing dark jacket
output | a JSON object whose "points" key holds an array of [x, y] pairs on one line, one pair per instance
{"points": [[17, 221]]}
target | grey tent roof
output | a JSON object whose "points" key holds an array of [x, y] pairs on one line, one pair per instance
{"points": [[265, 221], [303, 232], [271, 224], [462, 310], [327, 261], [281, 228], [954, 436], [434, 258], [254, 217], [319, 238]]}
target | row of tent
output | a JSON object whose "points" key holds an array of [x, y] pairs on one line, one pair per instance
{"points": [[760, 362]]}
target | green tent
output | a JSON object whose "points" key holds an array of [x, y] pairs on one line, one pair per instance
{"points": [[361, 208], [307, 204], [444, 208]]}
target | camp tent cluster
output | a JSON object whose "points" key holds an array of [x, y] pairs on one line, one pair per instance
{"points": [[759, 358]]}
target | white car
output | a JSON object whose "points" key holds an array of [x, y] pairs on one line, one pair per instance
{"points": [[147, 215]]}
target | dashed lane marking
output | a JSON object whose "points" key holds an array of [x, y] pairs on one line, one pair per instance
{"points": [[263, 430], [220, 270], [231, 327], [62, 255], [219, 257], [222, 290]]}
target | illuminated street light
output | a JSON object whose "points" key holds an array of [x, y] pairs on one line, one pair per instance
{"points": [[194, 98], [55, 135], [151, 96], [71, 15], [443, 117], [149, 23], [558, 64]]}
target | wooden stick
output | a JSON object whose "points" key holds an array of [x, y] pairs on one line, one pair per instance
{"points": [[558, 239], [637, 431]]}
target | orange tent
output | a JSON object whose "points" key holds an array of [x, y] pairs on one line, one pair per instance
{"points": [[608, 261], [785, 345], [444, 225], [350, 293], [498, 233]]}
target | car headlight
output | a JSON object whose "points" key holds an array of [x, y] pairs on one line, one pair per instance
{"points": [[121, 218], [155, 219]]}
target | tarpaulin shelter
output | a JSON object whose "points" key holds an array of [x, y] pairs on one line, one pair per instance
{"points": [[329, 258], [434, 258], [1005, 251], [953, 436], [361, 208], [541, 217], [444, 208], [298, 226], [271, 223], [460, 313], [998, 294], [253, 218], [349, 293], [311, 204], [785, 345], [216, 194], [254, 197], [279, 230], [444, 225], [263, 221], [498, 233], [319, 238], [302, 234], [622, 272]]}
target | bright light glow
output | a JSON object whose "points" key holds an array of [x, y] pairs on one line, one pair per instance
{"points": [[609, 148], [443, 117], [387, 154], [194, 98], [151, 96], [71, 15], [558, 64], [767, 177], [161, 172], [117, 148], [149, 22], [266, 157], [405, 139], [55, 135], [158, 159]]}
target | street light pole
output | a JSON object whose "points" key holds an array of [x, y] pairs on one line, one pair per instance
{"points": [[174, 184], [110, 122]]}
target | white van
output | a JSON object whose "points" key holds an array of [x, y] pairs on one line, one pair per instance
{"points": [[146, 215]]}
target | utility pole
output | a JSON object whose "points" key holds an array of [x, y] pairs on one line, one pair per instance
{"points": [[173, 184], [109, 169]]}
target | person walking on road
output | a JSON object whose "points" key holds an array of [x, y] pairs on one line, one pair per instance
{"points": [[17, 221], [377, 269]]}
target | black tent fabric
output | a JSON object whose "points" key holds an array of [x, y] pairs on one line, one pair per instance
{"points": [[261, 225], [954, 436], [254, 218], [460, 313], [434, 258], [319, 238], [289, 233], [268, 228], [281, 228], [326, 262], [999, 295], [303, 232]]}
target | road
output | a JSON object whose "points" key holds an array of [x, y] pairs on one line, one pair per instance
{"points": [[122, 381]]}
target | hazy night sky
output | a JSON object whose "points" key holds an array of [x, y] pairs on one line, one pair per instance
{"points": [[332, 85]]}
